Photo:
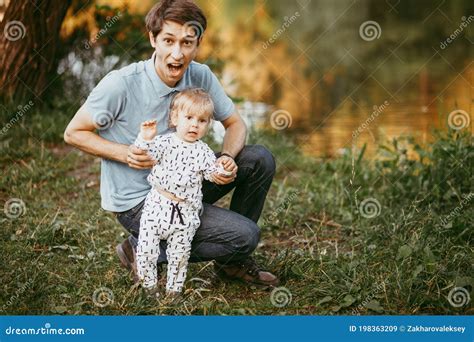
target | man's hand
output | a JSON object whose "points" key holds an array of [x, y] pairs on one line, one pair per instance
{"points": [[229, 165], [139, 159], [148, 130]]}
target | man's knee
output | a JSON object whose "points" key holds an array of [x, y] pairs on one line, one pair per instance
{"points": [[248, 238], [261, 158]]}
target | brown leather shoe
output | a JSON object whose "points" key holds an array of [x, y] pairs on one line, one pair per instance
{"points": [[127, 258], [247, 271], [126, 255]]}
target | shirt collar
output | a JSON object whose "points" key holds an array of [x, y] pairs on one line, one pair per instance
{"points": [[160, 87]]}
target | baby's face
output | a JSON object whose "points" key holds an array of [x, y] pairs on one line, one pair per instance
{"points": [[190, 126]]}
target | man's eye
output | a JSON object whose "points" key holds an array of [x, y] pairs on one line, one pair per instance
{"points": [[168, 41], [188, 43]]}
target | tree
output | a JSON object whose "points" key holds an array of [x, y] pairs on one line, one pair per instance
{"points": [[29, 39]]}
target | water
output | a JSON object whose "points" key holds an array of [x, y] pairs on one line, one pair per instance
{"points": [[314, 62]]}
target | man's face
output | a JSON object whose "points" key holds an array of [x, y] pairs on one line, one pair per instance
{"points": [[175, 46], [190, 126]]}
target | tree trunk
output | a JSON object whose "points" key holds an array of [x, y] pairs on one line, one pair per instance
{"points": [[29, 37]]}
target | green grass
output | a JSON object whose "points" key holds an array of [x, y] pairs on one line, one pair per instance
{"points": [[330, 256]]}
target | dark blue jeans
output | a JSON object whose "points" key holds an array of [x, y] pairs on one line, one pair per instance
{"points": [[227, 236]]}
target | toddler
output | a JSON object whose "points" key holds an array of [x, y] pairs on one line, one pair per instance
{"points": [[172, 207]]}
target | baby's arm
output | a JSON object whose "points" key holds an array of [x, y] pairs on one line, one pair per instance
{"points": [[147, 139], [210, 166]]}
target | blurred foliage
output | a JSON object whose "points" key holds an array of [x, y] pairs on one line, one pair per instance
{"points": [[126, 37], [112, 31], [98, 39], [234, 40]]}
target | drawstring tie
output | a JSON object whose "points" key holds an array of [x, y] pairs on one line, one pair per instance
{"points": [[175, 208]]}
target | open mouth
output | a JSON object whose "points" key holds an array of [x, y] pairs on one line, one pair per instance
{"points": [[175, 68]]}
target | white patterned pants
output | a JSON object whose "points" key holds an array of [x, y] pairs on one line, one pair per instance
{"points": [[164, 219]]}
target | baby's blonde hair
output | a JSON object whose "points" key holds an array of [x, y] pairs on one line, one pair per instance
{"points": [[194, 100]]}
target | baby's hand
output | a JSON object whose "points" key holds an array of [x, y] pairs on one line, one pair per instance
{"points": [[226, 171], [223, 170], [226, 163], [148, 130]]}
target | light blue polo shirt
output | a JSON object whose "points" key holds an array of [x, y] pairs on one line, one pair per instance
{"points": [[122, 101]]}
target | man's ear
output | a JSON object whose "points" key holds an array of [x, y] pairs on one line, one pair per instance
{"points": [[152, 39], [200, 40]]}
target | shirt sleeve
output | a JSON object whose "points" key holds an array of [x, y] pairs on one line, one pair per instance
{"points": [[209, 163], [107, 100], [223, 105], [155, 147]]}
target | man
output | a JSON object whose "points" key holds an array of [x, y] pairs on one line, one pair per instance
{"points": [[143, 91]]}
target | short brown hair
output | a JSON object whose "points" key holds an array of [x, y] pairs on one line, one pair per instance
{"points": [[180, 11], [196, 100]]}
